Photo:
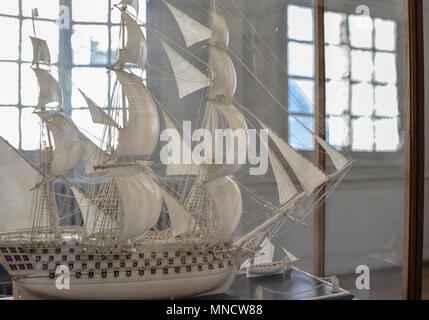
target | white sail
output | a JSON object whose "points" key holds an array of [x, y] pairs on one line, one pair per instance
{"points": [[245, 264], [181, 220], [192, 30], [93, 217], [141, 201], [233, 116], [132, 3], [223, 73], [228, 206], [235, 121], [289, 256], [92, 155], [220, 31], [97, 114], [50, 90], [140, 135], [175, 169], [18, 178], [266, 254], [135, 50], [285, 186], [309, 176], [337, 158], [67, 152], [41, 54], [188, 78]]}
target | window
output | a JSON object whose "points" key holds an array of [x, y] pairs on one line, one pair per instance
{"points": [[91, 47], [361, 81]]}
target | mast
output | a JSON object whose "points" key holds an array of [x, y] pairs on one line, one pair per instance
{"points": [[41, 54], [121, 67]]}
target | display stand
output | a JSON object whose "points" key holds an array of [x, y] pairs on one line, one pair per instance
{"points": [[292, 284]]}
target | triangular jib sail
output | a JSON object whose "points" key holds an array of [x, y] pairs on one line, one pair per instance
{"points": [[18, 178], [192, 30], [97, 114], [188, 78]]}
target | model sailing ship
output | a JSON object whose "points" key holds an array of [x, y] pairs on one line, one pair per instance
{"points": [[117, 253]]}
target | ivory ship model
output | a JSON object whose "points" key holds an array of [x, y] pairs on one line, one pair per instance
{"points": [[118, 253]]}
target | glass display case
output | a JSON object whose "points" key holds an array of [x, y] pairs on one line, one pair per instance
{"points": [[327, 82]]}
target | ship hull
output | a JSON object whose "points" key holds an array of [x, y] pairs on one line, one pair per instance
{"points": [[158, 269], [129, 289], [266, 268]]}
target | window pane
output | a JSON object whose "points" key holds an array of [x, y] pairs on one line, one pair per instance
{"points": [[333, 27], [301, 59], [386, 135], [90, 11], [362, 67], [8, 83], [9, 119], [362, 99], [9, 7], [301, 96], [45, 30], [363, 135], [48, 9], [386, 101], [299, 137], [337, 62], [360, 31], [84, 79], [30, 129], [385, 67], [300, 23], [9, 39], [115, 42], [385, 34], [29, 86], [90, 44], [337, 131], [337, 97]]}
